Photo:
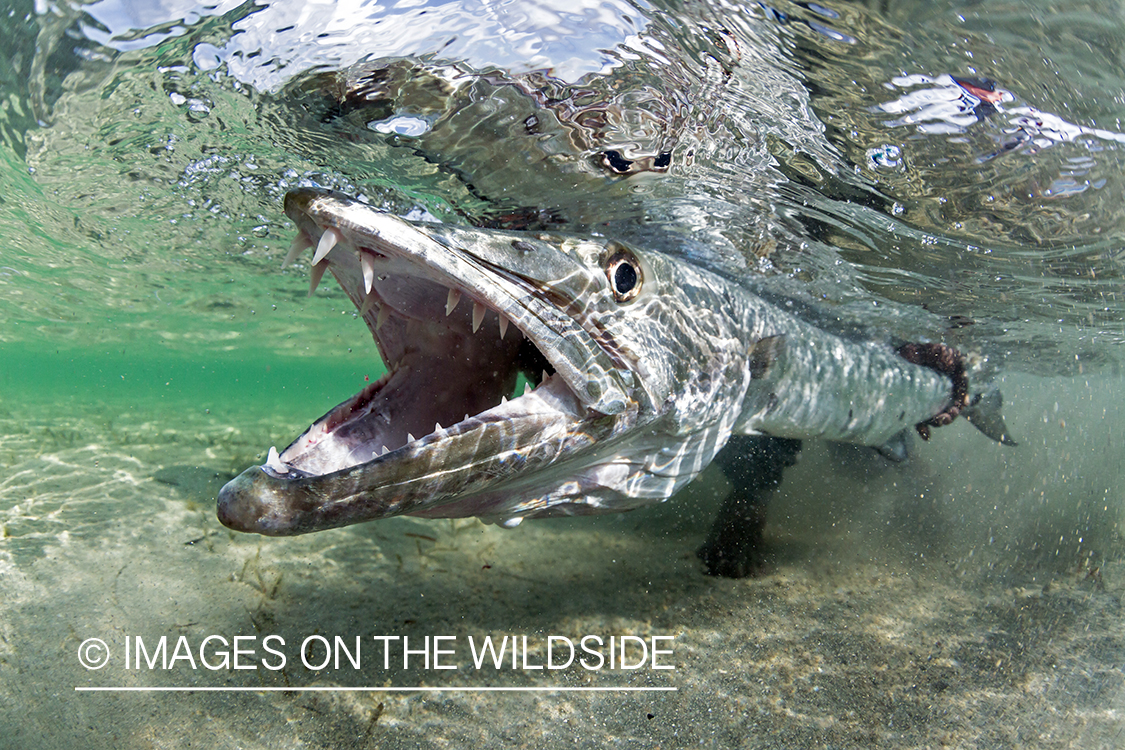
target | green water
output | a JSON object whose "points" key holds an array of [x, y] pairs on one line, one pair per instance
{"points": [[151, 348], [244, 380]]}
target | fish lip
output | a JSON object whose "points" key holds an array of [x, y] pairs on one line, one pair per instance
{"points": [[291, 495]]}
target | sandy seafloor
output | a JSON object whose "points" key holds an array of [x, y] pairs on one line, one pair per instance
{"points": [[969, 599]]}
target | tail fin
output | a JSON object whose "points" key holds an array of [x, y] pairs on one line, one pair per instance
{"points": [[984, 414]]}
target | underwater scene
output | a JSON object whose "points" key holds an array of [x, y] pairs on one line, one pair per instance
{"points": [[860, 181]]}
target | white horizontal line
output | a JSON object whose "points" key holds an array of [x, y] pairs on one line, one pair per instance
{"points": [[375, 689]]}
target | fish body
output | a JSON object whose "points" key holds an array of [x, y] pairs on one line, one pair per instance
{"points": [[643, 368], [536, 372]]}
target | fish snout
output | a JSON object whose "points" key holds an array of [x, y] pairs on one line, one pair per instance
{"points": [[249, 503]]}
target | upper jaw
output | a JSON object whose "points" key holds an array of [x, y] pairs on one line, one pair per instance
{"points": [[448, 365], [485, 277]]}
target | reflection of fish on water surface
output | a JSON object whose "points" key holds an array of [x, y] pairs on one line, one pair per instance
{"points": [[644, 350]]}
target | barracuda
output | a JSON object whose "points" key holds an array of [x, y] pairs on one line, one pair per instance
{"points": [[643, 368]]}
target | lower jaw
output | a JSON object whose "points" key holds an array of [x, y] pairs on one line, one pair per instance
{"points": [[476, 467]]}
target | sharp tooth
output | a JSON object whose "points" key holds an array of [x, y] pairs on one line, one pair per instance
{"points": [[368, 302], [367, 264], [543, 379], [503, 326], [478, 315], [300, 243], [437, 427], [274, 462], [385, 451], [503, 400], [328, 241], [466, 419], [452, 300], [409, 438], [318, 270], [384, 311], [526, 387]]}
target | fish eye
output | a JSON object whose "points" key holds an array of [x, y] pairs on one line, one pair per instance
{"points": [[624, 273]]}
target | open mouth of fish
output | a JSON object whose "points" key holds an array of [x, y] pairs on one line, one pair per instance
{"points": [[443, 433]]}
